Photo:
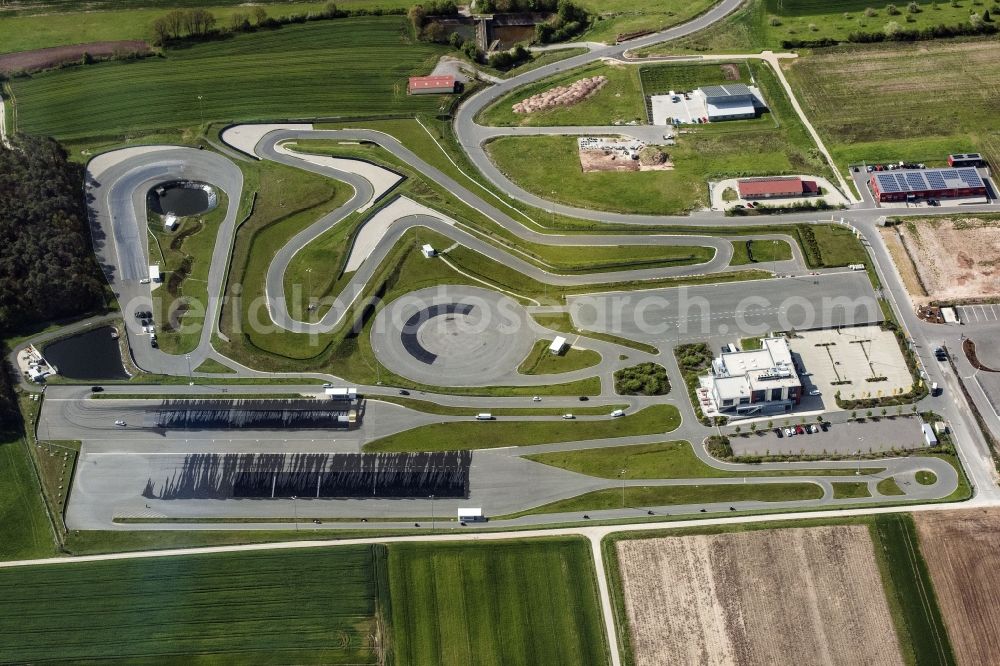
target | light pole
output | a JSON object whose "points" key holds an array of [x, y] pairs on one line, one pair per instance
{"points": [[201, 109], [295, 508], [432, 513], [187, 357], [858, 471]]}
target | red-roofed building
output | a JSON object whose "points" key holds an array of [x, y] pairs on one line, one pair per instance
{"points": [[431, 85], [774, 187]]}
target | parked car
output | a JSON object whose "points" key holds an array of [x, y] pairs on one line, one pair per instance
{"points": [[777, 431], [120, 423], [568, 417], [96, 389], [814, 428], [799, 430], [584, 398], [144, 281], [153, 343], [789, 432], [536, 399], [815, 392], [617, 413], [404, 392]]}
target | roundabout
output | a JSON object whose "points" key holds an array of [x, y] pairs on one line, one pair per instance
{"points": [[454, 335]]}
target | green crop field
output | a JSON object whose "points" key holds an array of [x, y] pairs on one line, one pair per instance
{"points": [[348, 67], [509, 603], [775, 143], [910, 591], [660, 79], [313, 606], [492, 434], [42, 25], [904, 106], [765, 24]]}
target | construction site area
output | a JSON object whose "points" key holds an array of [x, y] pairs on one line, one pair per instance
{"points": [[950, 259]]}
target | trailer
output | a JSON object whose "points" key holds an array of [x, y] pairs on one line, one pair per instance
{"points": [[557, 345], [471, 515], [341, 393]]}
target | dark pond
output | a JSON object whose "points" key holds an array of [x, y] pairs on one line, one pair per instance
{"points": [[181, 198], [90, 355]]}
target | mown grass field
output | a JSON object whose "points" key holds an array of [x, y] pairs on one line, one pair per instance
{"points": [[26, 532], [775, 143], [493, 434], [614, 17], [763, 24], [617, 102], [913, 102], [300, 607], [667, 460], [646, 496], [349, 67], [541, 361], [755, 251], [505, 603]]}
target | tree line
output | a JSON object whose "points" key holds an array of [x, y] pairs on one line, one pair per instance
{"points": [[47, 266], [199, 24]]}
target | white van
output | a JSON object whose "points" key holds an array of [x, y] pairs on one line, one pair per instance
{"points": [[618, 412], [484, 416]]}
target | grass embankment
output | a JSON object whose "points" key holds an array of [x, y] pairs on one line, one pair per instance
{"points": [[624, 16], [776, 143], [694, 359], [495, 434], [213, 366], [563, 323], [185, 257], [363, 64], [512, 602], [850, 490], [765, 24], [909, 591], [268, 607], [446, 410], [889, 487], [647, 496], [758, 251], [667, 460], [915, 81], [541, 361]]}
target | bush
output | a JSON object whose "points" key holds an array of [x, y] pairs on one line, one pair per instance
{"points": [[913, 8], [892, 10], [718, 447], [642, 379], [869, 12], [774, 21]]}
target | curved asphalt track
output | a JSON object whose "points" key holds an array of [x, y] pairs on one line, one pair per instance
{"points": [[112, 208]]}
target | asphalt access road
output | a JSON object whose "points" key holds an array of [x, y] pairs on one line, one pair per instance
{"points": [[735, 309]]}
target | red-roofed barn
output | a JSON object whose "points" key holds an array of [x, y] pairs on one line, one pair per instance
{"points": [[431, 85], [775, 187]]}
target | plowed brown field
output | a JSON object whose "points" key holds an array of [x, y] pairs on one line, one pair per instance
{"points": [[792, 596], [961, 548]]}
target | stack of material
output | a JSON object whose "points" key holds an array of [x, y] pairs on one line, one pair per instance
{"points": [[561, 95]]}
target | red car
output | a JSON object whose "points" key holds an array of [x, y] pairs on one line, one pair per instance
{"points": [[799, 430]]}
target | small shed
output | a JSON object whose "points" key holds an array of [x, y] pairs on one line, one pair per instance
{"points": [[949, 315], [929, 437], [558, 345], [170, 222], [154, 273], [428, 251]]}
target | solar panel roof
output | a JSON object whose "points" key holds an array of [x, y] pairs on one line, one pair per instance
{"points": [[918, 180]]}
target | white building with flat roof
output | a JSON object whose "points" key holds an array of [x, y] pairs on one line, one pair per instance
{"points": [[755, 382]]}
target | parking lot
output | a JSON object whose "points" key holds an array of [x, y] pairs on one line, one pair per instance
{"points": [[976, 314], [871, 436], [688, 108], [846, 359]]}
